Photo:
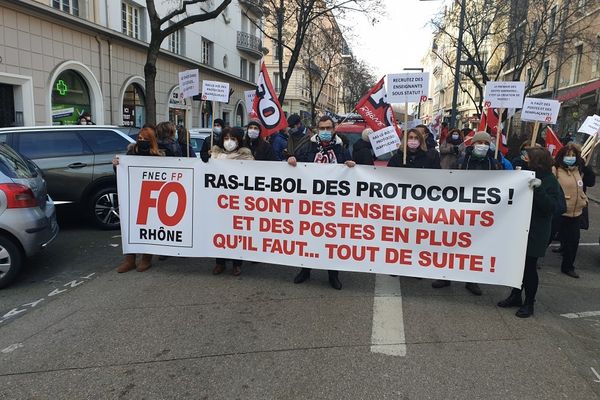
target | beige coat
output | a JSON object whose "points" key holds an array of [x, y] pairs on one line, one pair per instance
{"points": [[572, 184], [243, 153]]}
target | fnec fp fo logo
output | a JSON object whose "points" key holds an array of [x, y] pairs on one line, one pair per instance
{"points": [[161, 206]]}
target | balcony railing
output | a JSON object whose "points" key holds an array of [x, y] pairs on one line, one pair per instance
{"points": [[250, 44], [256, 6]]}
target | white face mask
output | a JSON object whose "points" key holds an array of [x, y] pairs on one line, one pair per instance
{"points": [[480, 149], [217, 130], [455, 136], [230, 145], [253, 133]]}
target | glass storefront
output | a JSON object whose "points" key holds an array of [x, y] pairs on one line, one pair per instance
{"points": [[134, 106], [70, 98]]}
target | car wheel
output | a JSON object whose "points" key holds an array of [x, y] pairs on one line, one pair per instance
{"points": [[11, 261], [104, 208]]}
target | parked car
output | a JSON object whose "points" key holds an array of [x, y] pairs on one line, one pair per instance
{"points": [[130, 131], [197, 137], [77, 165], [351, 131], [27, 214]]}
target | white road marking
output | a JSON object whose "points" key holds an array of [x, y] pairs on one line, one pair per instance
{"points": [[583, 314], [114, 245], [597, 375], [387, 335], [12, 348]]}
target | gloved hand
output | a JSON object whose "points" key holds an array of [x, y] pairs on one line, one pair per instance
{"points": [[535, 182]]}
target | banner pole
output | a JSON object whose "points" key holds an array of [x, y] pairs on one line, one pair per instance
{"points": [[212, 136], [536, 127], [347, 115], [498, 131], [509, 122], [405, 136], [587, 144], [588, 157]]}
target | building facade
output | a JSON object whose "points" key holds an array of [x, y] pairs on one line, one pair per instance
{"points": [[59, 59]]}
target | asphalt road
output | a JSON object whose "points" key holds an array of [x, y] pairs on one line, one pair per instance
{"points": [[72, 328]]}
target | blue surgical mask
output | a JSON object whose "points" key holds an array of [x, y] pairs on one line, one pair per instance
{"points": [[325, 136], [569, 160]]}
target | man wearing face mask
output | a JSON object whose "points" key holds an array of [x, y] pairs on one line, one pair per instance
{"points": [[217, 129], [261, 149], [324, 148]]}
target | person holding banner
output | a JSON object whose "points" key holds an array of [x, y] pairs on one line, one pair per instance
{"points": [[324, 148], [217, 129], [362, 151], [450, 149], [230, 147], [418, 155], [260, 148], [167, 141], [145, 145], [546, 193], [574, 177]]}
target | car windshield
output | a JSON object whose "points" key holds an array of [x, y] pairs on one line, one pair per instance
{"points": [[12, 164], [196, 144]]}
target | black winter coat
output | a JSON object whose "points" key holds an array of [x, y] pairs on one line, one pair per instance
{"points": [[261, 149], [420, 159], [545, 201], [308, 152], [362, 153], [170, 147], [471, 162]]}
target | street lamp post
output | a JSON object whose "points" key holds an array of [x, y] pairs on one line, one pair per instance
{"points": [[459, 44]]}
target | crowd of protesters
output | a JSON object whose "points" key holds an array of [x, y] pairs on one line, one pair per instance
{"points": [[559, 189]]}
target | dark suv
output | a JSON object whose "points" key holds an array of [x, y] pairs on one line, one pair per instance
{"points": [[77, 165]]}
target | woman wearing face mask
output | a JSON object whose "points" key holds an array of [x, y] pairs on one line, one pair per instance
{"points": [[450, 149], [479, 156], [230, 147], [546, 192], [418, 156], [574, 177], [260, 148], [146, 145]]}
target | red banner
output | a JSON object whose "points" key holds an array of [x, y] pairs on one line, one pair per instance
{"points": [[552, 143], [266, 105], [376, 111]]}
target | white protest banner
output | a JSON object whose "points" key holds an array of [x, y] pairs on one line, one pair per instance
{"points": [[384, 141], [540, 110], [189, 83], [407, 88], [215, 91], [469, 226], [591, 125], [249, 96], [500, 94]]}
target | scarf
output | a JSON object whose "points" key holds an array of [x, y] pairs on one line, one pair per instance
{"points": [[325, 153]]}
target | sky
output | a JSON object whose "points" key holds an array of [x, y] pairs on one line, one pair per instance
{"points": [[399, 40]]}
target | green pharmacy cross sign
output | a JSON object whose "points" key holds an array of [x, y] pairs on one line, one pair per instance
{"points": [[62, 87]]}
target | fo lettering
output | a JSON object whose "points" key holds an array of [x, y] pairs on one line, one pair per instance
{"points": [[149, 199]]}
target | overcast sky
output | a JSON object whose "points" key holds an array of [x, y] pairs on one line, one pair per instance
{"points": [[399, 40]]}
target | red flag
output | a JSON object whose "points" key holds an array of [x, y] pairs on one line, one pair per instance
{"points": [[489, 119], [553, 144], [375, 109], [266, 105]]}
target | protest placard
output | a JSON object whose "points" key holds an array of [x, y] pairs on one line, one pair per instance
{"points": [[249, 96], [407, 88], [189, 83], [215, 91], [469, 226], [384, 141], [500, 94], [591, 125], [540, 110]]}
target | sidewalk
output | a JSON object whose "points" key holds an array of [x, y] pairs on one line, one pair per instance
{"points": [[593, 193]]}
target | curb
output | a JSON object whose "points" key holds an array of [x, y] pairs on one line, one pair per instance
{"points": [[595, 200]]}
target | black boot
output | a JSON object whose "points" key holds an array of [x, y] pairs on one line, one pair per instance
{"points": [[303, 275], [513, 300], [334, 281], [526, 310]]}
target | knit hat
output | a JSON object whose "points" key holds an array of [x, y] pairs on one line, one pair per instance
{"points": [[254, 122], [365, 134], [481, 136]]}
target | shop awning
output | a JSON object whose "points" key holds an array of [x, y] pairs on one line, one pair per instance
{"points": [[576, 92]]}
